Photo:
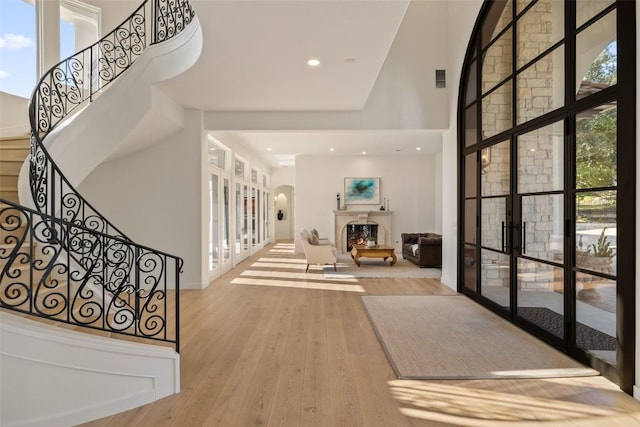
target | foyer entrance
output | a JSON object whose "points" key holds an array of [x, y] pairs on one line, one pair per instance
{"points": [[548, 180]]}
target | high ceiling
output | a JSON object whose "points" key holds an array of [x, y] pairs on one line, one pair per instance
{"points": [[255, 57]]}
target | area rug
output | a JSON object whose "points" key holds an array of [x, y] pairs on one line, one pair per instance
{"points": [[452, 337], [377, 268], [586, 337]]}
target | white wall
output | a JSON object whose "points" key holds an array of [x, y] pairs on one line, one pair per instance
{"points": [[408, 182], [438, 187], [14, 116], [283, 176], [407, 79], [114, 12], [167, 185], [158, 197], [461, 17]]}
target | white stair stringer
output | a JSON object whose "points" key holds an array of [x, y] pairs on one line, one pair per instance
{"points": [[55, 377], [128, 115]]}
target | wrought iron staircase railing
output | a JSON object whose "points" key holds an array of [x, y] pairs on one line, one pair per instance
{"points": [[65, 261]]}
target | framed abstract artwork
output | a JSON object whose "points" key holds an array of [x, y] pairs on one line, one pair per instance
{"points": [[362, 191]]}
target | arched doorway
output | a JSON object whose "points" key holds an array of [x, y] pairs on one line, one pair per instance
{"points": [[284, 212], [547, 160]]}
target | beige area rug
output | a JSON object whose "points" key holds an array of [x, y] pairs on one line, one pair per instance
{"points": [[377, 268], [452, 337]]}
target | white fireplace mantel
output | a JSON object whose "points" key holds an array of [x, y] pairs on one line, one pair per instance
{"points": [[342, 218]]}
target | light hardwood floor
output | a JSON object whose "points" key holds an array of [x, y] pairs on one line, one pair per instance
{"points": [[267, 345]]}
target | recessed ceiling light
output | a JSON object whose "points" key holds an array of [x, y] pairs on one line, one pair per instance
{"points": [[364, 152], [269, 149], [418, 148], [313, 62], [330, 149]]}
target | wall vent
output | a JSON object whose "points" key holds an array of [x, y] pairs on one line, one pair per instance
{"points": [[440, 79]]}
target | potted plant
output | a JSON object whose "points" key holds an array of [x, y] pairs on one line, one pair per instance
{"points": [[598, 257], [602, 248], [597, 254], [582, 252]]}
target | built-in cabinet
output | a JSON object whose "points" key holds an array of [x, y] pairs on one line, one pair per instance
{"points": [[239, 214]]}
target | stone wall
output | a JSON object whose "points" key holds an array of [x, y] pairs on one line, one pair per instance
{"points": [[539, 90]]}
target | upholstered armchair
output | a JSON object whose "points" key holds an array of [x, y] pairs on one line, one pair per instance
{"points": [[317, 251]]}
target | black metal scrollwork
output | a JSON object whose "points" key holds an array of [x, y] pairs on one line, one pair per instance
{"points": [[71, 274], [65, 261], [172, 17]]}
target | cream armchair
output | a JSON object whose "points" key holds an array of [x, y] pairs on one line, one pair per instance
{"points": [[320, 254]]}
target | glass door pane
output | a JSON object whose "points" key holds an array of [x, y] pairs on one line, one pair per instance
{"points": [[495, 223], [495, 271], [254, 222], [239, 218], [245, 222], [541, 285], [226, 209], [540, 256], [470, 257], [596, 225], [265, 216], [259, 229], [214, 247]]}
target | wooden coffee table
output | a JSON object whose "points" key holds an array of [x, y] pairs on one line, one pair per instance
{"points": [[378, 251]]}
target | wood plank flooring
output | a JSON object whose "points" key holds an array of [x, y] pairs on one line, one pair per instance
{"points": [[260, 350]]}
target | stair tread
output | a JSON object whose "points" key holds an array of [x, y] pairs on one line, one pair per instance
{"points": [[15, 145], [6, 224], [10, 169], [14, 137], [11, 245]]}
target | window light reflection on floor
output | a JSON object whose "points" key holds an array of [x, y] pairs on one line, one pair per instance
{"points": [[284, 260], [467, 406], [327, 285], [276, 274], [283, 251], [291, 266]]}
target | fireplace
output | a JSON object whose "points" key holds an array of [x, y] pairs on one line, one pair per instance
{"points": [[343, 220], [358, 234]]}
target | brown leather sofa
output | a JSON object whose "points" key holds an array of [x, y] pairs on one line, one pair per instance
{"points": [[422, 249]]}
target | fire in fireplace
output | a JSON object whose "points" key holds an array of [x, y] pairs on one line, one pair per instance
{"points": [[358, 234]]}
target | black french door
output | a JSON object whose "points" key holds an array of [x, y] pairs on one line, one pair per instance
{"points": [[547, 161]]}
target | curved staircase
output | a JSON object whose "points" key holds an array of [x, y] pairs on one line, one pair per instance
{"points": [[62, 262]]}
